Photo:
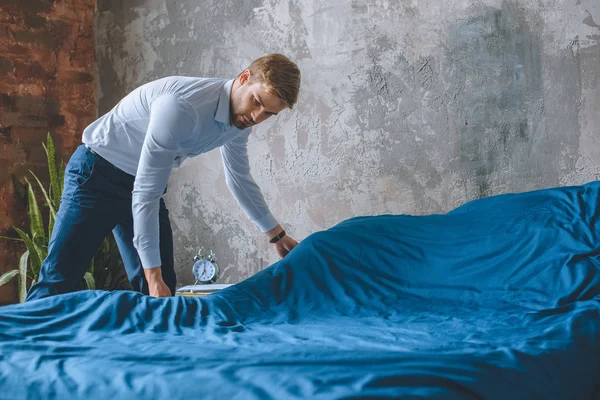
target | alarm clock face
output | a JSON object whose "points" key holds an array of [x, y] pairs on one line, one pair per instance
{"points": [[205, 271]]}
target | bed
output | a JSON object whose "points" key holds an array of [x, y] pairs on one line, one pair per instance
{"points": [[497, 299]]}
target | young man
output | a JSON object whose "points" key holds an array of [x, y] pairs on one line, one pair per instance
{"points": [[114, 181]]}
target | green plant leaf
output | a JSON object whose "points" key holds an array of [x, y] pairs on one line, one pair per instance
{"points": [[7, 276], [19, 187], [61, 180], [92, 264], [23, 262], [53, 171], [48, 199], [36, 224], [9, 238], [42, 252], [33, 253], [89, 281], [51, 221]]}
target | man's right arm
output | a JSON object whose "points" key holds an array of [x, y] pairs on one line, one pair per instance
{"points": [[169, 123]]}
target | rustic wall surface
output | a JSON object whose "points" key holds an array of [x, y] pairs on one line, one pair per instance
{"points": [[406, 106], [47, 84]]}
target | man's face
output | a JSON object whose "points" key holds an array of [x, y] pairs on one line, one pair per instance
{"points": [[251, 104]]}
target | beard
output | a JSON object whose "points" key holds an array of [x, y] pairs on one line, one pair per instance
{"points": [[237, 116], [240, 122]]}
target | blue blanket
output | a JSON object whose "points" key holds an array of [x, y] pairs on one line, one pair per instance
{"points": [[497, 299]]}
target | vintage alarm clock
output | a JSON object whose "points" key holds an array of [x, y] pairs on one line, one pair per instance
{"points": [[205, 269]]}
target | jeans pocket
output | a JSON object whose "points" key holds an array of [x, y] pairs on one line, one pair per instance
{"points": [[80, 168]]}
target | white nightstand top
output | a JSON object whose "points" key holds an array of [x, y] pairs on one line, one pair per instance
{"points": [[202, 288]]}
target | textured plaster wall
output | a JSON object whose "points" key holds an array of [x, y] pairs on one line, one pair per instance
{"points": [[405, 107]]}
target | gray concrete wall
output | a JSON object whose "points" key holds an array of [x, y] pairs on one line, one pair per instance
{"points": [[406, 107]]}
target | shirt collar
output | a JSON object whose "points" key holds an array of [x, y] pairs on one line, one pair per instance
{"points": [[223, 109]]}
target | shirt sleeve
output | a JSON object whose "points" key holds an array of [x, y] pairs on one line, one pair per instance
{"points": [[242, 186], [168, 125]]}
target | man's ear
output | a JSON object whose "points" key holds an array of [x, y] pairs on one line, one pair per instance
{"points": [[245, 76]]}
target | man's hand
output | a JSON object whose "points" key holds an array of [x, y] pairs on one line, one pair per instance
{"points": [[284, 245], [156, 285]]}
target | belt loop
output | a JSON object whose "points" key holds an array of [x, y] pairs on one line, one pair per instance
{"points": [[90, 149]]}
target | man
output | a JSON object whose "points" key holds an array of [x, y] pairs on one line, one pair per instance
{"points": [[114, 181]]}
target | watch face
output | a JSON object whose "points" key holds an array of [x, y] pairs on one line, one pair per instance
{"points": [[205, 271]]}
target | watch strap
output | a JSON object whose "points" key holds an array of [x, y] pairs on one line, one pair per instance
{"points": [[277, 237]]}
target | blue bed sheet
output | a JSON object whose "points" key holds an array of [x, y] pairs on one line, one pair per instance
{"points": [[497, 299]]}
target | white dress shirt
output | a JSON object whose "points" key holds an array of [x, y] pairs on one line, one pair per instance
{"points": [[155, 128]]}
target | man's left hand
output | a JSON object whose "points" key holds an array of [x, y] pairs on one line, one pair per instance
{"points": [[285, 245]]}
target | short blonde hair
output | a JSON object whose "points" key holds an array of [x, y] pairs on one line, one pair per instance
{"points": [[279, 74]]}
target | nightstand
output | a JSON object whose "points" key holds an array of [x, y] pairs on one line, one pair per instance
{"points": [[200, 290]]}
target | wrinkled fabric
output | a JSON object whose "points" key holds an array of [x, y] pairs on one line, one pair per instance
{"points": [[497, 299]]}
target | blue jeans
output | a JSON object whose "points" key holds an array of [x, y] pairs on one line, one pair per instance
{"points": [[96, 200]]}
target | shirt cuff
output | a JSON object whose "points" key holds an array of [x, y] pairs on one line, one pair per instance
{"points": [[266, 223], [150, 259]]}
